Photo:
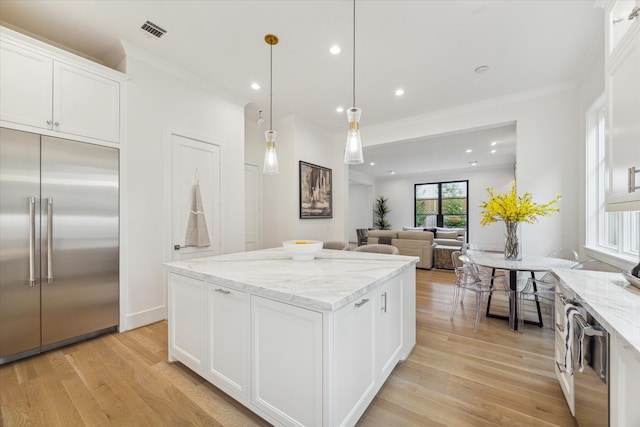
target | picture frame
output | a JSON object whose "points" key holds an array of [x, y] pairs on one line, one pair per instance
{"points": [[316, 191]]}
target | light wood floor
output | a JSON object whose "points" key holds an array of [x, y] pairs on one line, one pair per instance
{"points": [[453, 377]]}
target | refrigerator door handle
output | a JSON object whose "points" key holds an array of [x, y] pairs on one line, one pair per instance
{"points": [[32, 241], [50, 240]]}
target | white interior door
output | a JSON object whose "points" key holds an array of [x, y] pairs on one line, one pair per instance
{"points": [[252, 208], [194, 160]]}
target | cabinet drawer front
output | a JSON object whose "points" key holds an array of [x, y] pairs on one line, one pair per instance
{"points": [[228, 338], [354, 344], [389, 325], [286, 343], [186, 321]]}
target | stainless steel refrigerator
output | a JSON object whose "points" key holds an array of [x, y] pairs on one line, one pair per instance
{"points": [[59, 247]]}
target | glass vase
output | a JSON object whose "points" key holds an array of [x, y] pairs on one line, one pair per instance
{"points": [[512, 241]]}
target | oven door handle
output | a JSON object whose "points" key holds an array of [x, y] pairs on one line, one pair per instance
{"points": [[588, 330]]}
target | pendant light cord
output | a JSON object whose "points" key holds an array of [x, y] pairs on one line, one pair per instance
{"points": [[270, 87], [354, 54]]}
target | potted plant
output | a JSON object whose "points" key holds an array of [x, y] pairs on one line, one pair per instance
{"points": [[381, 210]]}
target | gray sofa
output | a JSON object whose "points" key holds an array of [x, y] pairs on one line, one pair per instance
{"points": [[411, 243]]}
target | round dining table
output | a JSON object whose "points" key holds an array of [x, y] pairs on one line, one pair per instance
{"points": [[528, 263]]}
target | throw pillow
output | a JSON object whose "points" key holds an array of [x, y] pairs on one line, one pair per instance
{"points": [[384, 240], [447, 235]]}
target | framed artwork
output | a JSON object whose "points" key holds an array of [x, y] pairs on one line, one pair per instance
{"points": [[315, 191]]}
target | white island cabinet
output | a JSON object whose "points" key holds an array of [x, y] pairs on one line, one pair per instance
{"points": [[300, 343]]}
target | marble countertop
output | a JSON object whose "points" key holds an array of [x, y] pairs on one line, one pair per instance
{"points": [[610, 299], [330, 281]]}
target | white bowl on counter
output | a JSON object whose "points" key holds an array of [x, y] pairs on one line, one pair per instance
{"points": [[302, 250], [633, 280]]}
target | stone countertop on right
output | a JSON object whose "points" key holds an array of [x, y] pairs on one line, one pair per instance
{"points": [[610, 299]]}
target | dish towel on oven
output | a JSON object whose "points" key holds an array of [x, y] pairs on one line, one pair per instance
{"points": [[570, 311]]}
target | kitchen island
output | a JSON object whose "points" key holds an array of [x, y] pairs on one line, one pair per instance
{"points": [[297, 342]]}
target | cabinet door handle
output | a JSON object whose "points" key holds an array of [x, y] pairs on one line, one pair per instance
{"points": [[32, 241], [49, 122], [384, 306], [632, 178], [560, 367], [634, 13], [223, 291], [361, 303], [56, 123]]}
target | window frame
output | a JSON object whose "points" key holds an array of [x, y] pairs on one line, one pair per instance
{"points": [[440, 215], [610, 236]]}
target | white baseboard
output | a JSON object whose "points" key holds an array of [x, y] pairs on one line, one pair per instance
{"points": [[146, 317]]}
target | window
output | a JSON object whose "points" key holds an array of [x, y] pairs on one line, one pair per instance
{"points": [[614, 233], [441, 204]]}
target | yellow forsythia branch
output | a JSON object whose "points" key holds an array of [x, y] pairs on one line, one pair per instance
{"points": [[510, 207]]}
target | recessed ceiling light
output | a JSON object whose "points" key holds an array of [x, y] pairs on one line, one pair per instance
{"points": [[482, 69], [493, 151], [255, 86], [372, 164], [392, 173], [335, 49], [469, 150], [474, 163], [493, 144], [340, 110], [399, 92]]}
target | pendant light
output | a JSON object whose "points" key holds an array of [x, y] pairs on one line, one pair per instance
{"points": [[270, 158], [353, 149]]}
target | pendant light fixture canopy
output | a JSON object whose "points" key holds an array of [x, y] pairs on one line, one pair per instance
{"points": [[353, 149], [270, 157]]}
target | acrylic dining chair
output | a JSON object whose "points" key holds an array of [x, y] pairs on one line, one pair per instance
{"points": [[469, 277], [543, 290]]}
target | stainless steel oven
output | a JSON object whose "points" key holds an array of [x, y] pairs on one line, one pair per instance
{"points": [[591, 372]]}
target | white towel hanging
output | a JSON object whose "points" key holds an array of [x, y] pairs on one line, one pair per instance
{"points": [[197, 232]]}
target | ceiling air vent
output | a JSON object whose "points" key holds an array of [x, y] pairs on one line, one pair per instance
{"points": [[153, 29]]}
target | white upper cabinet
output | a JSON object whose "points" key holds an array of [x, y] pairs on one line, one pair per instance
{"points": [[623, 105], [618, 22], [48, 91], [85, 103], [26, 87]]}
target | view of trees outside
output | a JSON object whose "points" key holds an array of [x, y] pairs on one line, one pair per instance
{"points": [[426, 205], [454, 204], [445, 199]]}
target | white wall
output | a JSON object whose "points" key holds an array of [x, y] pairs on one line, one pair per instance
{"points": [[547, 158], [360, 209], [298, 140], [399, 192], [159, 100], [254, 142]]}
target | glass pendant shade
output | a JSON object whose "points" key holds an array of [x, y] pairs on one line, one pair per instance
{"points": [[353, 149], [270, 157]]}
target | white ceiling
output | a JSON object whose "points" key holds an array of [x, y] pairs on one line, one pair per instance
{"points": [[443, 153], [429, 48]]}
